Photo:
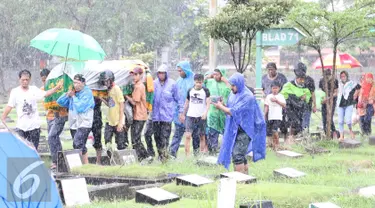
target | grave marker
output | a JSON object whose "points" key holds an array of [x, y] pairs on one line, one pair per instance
{"points": [[74, 191], [258, 204], [323, 205], [349, 144], [207, 161], [288, 172], [239, 177], [371, 140], [367, 192], [226, 193], [288, 153], [66, 160], [155, 196], [124, 157], [193, 180]]}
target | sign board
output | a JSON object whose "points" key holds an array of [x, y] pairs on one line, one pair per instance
{"points": [[281, 36], [226, 193]]}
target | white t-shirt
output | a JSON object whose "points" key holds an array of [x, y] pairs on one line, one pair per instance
{"points": [[275, 111], [197, 102], [26, 105]]}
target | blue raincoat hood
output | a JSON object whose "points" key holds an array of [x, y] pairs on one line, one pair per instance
{"points": [[183, 85], [247, 114]]}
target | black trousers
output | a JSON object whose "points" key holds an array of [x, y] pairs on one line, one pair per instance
{"points": [[32, 136], [119, 136], [96, 129], [136, 133], [325, 114], [162, 132]]}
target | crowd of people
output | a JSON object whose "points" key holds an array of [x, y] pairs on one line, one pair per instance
{"points": [[201, 107]]}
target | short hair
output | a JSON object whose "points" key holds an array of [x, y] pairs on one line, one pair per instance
{"points": [[346, 73], [79, 77], [271, 65], [44, 72], [275, 83], [198, 77], [24, 72]]}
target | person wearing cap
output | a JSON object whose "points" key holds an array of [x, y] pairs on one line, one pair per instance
{"points": [[115, 116], [165, 99], [273, 113], [138, 100], [80, 103], [219, 88], [311, 107], [245, 128], [297, 97]]}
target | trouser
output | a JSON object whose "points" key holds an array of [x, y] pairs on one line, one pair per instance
{"points": [[31, 136], [80, 139], [136, 132], [119, 136], [213, 140], [56, 126], [96, 129], [366, 120], [177, 137], [148, 136], [345, 113], [306, 119], [162, 132], [324, 117], [240, 148]]}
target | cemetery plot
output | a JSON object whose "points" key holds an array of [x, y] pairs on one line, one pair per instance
{"points": [[290, 154], [193, 180], [239, 177], [66, 160], [258, 204], [288, 173], [155, 196], [323, 205], [349, 144]]}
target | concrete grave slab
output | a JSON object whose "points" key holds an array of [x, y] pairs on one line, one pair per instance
{"points": [[290, 154], [316, 150], [193, 180], [66, 160], [258, 204], [207, 161], [349, 144], [155, 196], [289, 173], [109, 192], [323, 205], [367, 192], [124, 157], [239, 177], [74, 191], [371, 140]]}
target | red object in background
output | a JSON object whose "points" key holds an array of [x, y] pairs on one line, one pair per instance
{"points": [[42, 64]]}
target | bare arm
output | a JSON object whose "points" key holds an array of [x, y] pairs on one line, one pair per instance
{"points": [[266, 111], [53, 90], [313, 99], [226, 82], [130, 99], [186, 106], [104, 101], [208, 102], [6, 112], [221, 107]]}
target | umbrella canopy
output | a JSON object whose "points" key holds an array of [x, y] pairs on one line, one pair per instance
{"points": [[24, 179], [343, 61], [68, 43]]}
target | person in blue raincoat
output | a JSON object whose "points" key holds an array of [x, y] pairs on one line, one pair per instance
{"points": [[80, 103], [245, 128], [165, 100], [184, 83]]}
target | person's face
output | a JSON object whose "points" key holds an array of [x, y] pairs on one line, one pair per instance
{"points": [[234, 89], [271, 71], [78, 85], [181, 72], [369, 80], [343, 77], [162, 76], [198, 84], [136, 77], [217, 76], [43, 78], [25, 80], [300, 80], [275, 90]]}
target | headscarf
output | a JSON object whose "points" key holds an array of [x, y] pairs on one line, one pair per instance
{"points": [[365, 86], [183, 84]]}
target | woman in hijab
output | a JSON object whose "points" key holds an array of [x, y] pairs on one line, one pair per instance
{"points": [[348, 93], [365, 103]]}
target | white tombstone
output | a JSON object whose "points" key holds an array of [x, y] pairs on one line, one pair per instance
{"points": [[75, 191], [289, 172], [226, 193]]}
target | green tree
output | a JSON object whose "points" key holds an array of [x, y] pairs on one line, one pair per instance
{"points": [[239, 21]]}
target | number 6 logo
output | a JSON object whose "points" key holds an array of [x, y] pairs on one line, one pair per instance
{"points": [[22, 177]]}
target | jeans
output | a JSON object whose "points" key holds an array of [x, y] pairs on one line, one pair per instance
{"points": [[306, 119], [366, 120], [56, 126], [177, 137], [213, 140], [162, 132], [119, 136], [148, 136], [31, 136], [345, 113], [324, 117], [136, 132], [80, 139]]}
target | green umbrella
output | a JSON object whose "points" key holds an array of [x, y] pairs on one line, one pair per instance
{"points": [[69, 44]]}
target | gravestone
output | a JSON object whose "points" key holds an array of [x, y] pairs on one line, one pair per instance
{"points": [[323, 205], [66, 160], [193, 180], [288, 172], [155, 196], [109, 192], [371, 140], [73, 191], [290, 154], [258, 204], [367, 192], [43, 146], [226, 193], [105, 160], [239, 177], [124, 157], [207, 161], [349, 144]]}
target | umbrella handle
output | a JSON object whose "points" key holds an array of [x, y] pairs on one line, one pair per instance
{"points": [[66, 57]]}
